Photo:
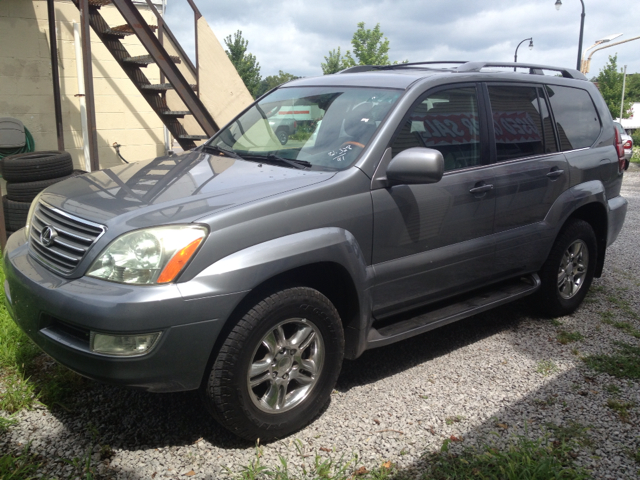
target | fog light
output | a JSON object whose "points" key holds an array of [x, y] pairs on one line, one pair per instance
{"points": [[123, 345]]}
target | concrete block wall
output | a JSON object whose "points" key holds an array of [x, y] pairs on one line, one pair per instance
{"points": [[26, 91]]}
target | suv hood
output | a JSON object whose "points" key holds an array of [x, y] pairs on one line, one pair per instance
{"points": [[176, 189]]}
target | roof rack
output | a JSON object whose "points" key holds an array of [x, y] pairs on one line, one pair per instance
{"points": [[368, 68], [533, 69], [468, 67]]}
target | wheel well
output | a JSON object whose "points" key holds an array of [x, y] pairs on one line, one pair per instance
{"points": [[595, 215], [330, 279]]}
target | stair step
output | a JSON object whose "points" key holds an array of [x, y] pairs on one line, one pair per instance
{"points": [[124, 30], [163, 87], [425, 319], [147, 59], [99, 3], [176, 113], [193, 137]]}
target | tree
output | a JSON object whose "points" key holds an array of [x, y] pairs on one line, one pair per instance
{"points": [[335, 62], [370, 47], [246, 65], [610, 84], [272, 81], [632, 90]]}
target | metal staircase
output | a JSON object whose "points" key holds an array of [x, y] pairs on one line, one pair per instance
{"points": [[155, 94]]}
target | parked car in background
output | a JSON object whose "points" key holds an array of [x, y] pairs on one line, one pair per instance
{"points": [[627, 144], [415, 196]]}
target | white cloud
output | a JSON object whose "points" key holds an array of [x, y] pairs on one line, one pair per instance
{"points": [[295, 35]]}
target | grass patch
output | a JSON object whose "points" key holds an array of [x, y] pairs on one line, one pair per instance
{"points": [[565, 337], [624, 326], [612, 389], [625, 363], [525, 458], [546, 367], [19, 467], [27, 374], [572, 432], [621, 408], [624, 306]]}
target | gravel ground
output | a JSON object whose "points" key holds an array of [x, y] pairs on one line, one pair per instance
{"points": [[484, 379]]}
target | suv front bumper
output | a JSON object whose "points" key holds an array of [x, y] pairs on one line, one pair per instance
{"points": [[58, 315]]}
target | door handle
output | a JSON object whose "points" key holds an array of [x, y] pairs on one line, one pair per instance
{"points": [[481, 189], [555, 173]]}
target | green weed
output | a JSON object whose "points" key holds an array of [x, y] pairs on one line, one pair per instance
{"points": [[546, 367], [621, 408], [19, 467], [565, 337], [454, 419], [625, 363]]}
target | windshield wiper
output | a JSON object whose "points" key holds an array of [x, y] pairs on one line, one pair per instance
{"points": [[271, 158], [217, 149]]}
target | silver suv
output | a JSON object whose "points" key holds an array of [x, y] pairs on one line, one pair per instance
{"points": [[412, 196]]}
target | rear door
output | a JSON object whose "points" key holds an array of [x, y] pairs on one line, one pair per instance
{"points": [[431, 241], [530, 172]]}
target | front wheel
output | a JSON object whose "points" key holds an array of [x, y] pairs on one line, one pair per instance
{"points": [[283, 136], [568, 271], [278, 366]]}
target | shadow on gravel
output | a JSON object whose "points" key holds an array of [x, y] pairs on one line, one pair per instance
{"points": [[382, 362]]}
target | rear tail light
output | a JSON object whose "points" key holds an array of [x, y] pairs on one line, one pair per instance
{"points": [[620, 149], [628, 144]]}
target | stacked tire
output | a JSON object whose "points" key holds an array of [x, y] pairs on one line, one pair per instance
{"points": [[27, 174]]}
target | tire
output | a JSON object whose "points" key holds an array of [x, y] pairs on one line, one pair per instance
{"points": [[34, 166], [27, 191], [283, 136], [15, 213], [568, 271], [626, 164], [283, 397]]}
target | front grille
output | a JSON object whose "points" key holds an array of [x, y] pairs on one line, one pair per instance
{"points": [[72, 238]]}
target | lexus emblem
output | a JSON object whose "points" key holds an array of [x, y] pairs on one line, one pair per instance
{"points": [[48, 235]]}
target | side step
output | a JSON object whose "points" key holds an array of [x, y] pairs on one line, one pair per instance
{"points": [[444, 313]]}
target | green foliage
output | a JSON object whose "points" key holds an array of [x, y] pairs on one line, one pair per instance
{"points": [[19, 467], [565, 337], [610, 84], [370, 47], [272, 81], [625, 363], [246, 64], [334, 62], [546, 367], [525, 458], [632, 88]]}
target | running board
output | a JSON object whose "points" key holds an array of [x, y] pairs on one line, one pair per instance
{"points": [[445, 313]]}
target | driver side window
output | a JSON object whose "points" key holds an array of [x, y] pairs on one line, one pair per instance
{"points": [[446, 121]]}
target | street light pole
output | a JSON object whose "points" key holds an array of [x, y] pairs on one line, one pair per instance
{"points": [[558, 5], [515, 56]]}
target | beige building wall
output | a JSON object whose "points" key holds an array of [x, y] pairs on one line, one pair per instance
{"points": [[26, 92]]}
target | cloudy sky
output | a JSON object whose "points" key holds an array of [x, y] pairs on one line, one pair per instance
{"points": [[295, 35]]}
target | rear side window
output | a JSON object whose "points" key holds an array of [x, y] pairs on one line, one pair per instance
{"points": [[517, 122], [576, 117], [446, 121]]}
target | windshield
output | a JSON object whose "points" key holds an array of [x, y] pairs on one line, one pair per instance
{"points": [[323, 128]]}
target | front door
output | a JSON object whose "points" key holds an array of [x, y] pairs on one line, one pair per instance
{"points": [[432, 241]]}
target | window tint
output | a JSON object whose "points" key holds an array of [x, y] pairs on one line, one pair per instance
{"points": [[446, 121], [517, 122], [576, 117]]}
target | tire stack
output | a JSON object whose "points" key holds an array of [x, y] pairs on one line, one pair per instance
{"points": [[27, 174]]}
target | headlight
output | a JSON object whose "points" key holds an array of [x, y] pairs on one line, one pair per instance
{"points": [[32, 210], [149, 256]]}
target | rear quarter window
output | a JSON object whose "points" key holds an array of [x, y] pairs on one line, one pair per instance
{"points": [[576, 117]]}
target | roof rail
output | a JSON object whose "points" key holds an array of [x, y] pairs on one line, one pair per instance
{"points": [[533, 69], [368, 68]]}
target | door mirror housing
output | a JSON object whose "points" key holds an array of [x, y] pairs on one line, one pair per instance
{"points": [[415, 166]]}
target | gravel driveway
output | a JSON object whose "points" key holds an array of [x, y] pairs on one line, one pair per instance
{"points": [[484, 379]]}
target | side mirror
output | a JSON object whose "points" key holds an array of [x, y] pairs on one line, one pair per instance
{"points": [[415, 166]]}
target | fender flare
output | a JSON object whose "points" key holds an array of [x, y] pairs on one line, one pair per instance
{"points": [[245, 270]]}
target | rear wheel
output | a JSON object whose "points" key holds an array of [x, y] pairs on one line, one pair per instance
{"points": [[568, 271], [283, 136], [278, 366]]}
